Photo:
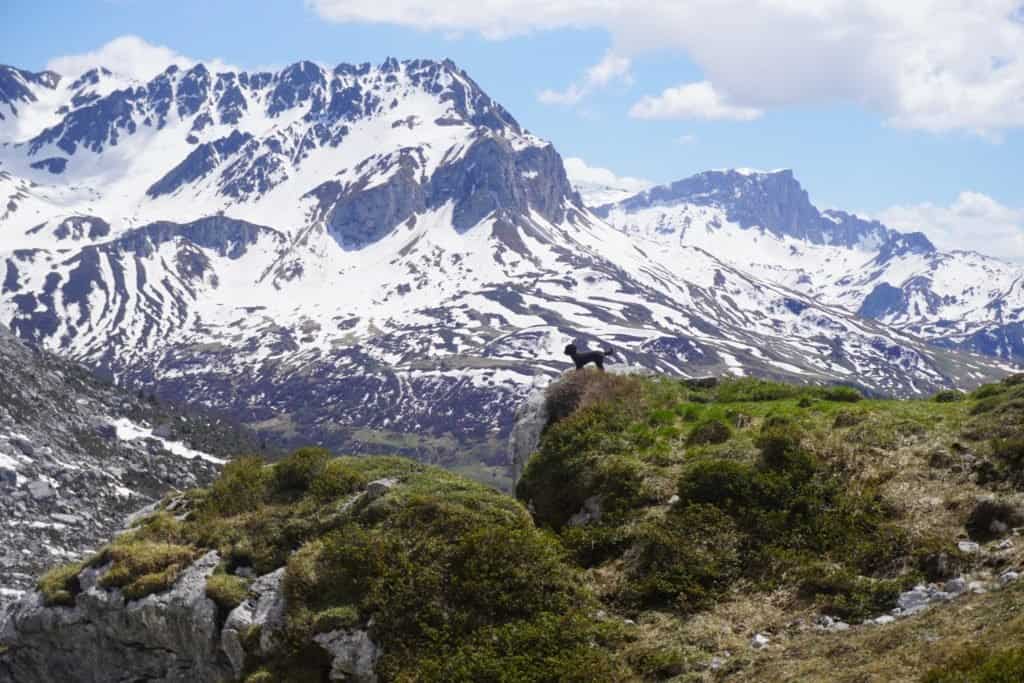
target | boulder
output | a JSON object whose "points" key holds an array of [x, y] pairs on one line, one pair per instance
{"points": [[264, 608], [168, 637], [353, 655]]}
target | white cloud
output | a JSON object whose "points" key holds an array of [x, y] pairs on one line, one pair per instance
{"points": [[610, 69], [974, 221], [686, 139], [691, 101], [929, 64], [131, 57], [580, 172]]}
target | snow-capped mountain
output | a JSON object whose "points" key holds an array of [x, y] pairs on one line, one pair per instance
{"points": [[763, 223], [377, 257]]}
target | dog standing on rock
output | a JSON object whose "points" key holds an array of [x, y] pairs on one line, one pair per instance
{"points": [[581, 359]]}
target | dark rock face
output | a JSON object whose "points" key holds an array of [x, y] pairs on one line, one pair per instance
{"points": [[14, 87], [362, 216], [203, 160], [773, 201], [883, 300], [54, 165], [901, 244], [494, 178], [491, 179]]}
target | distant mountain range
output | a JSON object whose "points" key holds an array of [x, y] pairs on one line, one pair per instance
{"points": [[382, 258]]}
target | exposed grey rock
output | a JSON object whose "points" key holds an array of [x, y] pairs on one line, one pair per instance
{"points": [[23, 445], [914, 600], [353, 655], [956, 586], [590, 512], [41, 490], [1008, 577], [530, 419], [968, 546], [169, 637], [760, 641], [265, 601], [376, 489]]}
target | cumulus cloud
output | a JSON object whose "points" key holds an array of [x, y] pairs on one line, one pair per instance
{"points": [[581, 173], [974, 221], [128, 56], [692, 101], [610, 69], [936, 65]]}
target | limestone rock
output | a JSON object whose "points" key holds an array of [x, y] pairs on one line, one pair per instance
{"points": [[169, 637], [353, 655]]}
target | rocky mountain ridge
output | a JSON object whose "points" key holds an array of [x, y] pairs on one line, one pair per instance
{"points": [[375, 257], [764, 223]]}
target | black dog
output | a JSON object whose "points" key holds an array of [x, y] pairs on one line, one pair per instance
{"points": [[581, 359]]}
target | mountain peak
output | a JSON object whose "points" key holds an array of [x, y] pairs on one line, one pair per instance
{"points": [[773, 201]]}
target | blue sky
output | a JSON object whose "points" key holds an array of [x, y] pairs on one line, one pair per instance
{"points": [[864, 125]]}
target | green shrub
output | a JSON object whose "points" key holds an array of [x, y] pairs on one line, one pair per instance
{"points": [[949, 396], [553, 648], [59, 586], [227, 590], [140, 568], [847, 418], [789, 508], [750, 389], [685, 560], [295, 474], [338, 478], [241, 487], [988, 391], [841, 394], [780, 443], [1009, 451], [581, 389], [987, 405], [980, 665], [338, 618], [579, 458], [709, 432], [844, 594]]}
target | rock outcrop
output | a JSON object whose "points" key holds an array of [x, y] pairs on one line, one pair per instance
{"points": [[169, 637]]}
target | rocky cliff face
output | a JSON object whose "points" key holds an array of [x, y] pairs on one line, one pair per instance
{"points": [[773, 201]]}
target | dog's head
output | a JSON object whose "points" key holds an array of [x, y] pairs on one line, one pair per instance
{"points": [[570, 349]]}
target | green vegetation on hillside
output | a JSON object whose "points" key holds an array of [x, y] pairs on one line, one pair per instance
{"points": [[659, 523], [451, 578]]}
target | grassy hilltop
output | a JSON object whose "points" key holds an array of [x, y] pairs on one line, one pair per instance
{"points": [[659, 526]]}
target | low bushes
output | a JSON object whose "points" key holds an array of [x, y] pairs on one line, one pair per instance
{"points": [[980, 664]]}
